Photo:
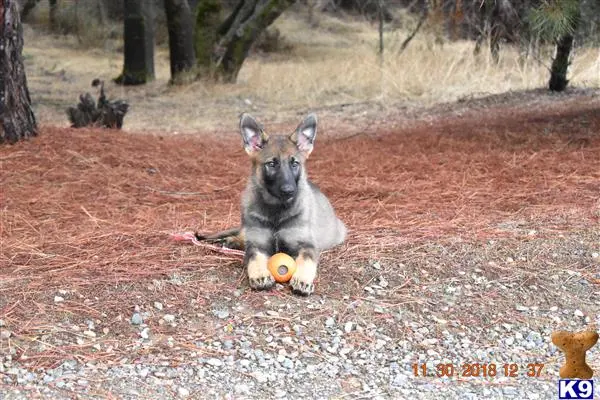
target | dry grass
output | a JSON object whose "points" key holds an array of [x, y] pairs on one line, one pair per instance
{"points": [[334, 63]]}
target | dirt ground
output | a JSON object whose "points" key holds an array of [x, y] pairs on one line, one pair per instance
{"points": [[510, 192]]}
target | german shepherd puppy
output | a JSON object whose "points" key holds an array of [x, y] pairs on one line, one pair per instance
{"points": [[282, 211]]}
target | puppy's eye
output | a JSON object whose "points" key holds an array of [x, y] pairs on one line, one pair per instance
{"points": [[295, 163], [271, 164]]}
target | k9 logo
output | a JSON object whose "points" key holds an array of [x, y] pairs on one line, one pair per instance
{"points": [[572, 389]]}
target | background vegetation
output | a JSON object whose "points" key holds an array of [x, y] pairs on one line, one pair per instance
{"points": [[318, 54]]}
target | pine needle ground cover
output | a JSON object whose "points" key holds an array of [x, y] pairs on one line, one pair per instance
{"points": [[503, 201]]}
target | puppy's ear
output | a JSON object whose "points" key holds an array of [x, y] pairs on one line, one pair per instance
{"points": [[305, 133], [252, 133]]}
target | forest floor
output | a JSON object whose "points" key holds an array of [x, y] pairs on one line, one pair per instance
{"points": [[473, 236], [472, 201]]}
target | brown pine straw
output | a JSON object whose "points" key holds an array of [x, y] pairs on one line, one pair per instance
{"points": [[92, 212]]}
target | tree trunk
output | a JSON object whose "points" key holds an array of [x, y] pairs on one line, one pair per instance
{"points": [[250, 20], [16, 115], [222, 48], [366, 8], [28, 6], [424, 6], [560, 65], [138, 34], [181, 37], [208, 17], [52, 14]]}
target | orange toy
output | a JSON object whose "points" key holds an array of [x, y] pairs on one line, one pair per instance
{"points": [[282, 267]]}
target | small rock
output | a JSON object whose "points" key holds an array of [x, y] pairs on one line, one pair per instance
{"points": [[429, 342], [221, 314], [245, 363], [509, 341], [578, 313], [329, 322], [260, 377], [58, 299], [287, 340], [5, 334], [91, 334], [241, 388], [183, 392], [521, 308], [279, 393], [169, 318], [136, 319], [215, 362], [145, 333], [1, 323], [348, 327], [158, 305], [450, 290]]}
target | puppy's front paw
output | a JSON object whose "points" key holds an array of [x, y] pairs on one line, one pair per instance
{"points": [[258, 274], [300, 287], [262, 283], [303, 278]]}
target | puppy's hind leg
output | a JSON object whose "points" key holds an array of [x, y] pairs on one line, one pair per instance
{"points": [[230, 238]]}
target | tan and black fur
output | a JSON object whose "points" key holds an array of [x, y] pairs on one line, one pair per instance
{"points": [[282, 211]]}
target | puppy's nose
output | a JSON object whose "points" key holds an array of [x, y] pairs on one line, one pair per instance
{"points": [[287, 190]]}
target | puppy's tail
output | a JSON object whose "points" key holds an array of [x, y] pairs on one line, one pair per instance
{"points": [[230, 238]]}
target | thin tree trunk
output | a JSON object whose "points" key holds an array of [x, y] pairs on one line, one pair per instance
{"points": [[16, 115], [28, 6], [208, 17], [52, 14], [244, 31], [422, 19], [560, 65], [181, 37], [222, 48], [485, 23], [380, 6], [495, 34], [138, 34], [101, 12]]}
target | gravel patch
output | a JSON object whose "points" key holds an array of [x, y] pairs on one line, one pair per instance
{"points": [[361, 345]]}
